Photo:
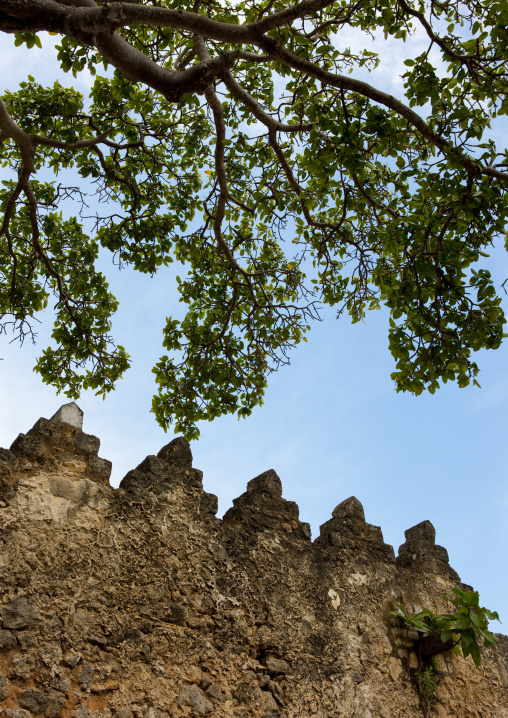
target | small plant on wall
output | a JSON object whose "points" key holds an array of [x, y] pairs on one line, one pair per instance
{"points": [[426, 679], [459, 631]]}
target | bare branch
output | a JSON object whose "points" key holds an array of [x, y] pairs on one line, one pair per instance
{"points": [[80, 144], [241, 94], [373, 203], [220, 165]]}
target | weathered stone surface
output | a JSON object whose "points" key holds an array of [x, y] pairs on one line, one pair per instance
{"points": [[7, 641], [85, 675], [75, 491], [423, 534], [140, 603], [19, 613], [171, 467], [3, 687], [34, 701], [209, 504], [347, 532], [56, 705], [215, 692], [71, 659], [262, 508], [9, 474], [420, 547], [276, 665], [17, 713], [268, 483], [350, 508], [194, 697], [124, 713], [61, 446], [60, 684], [177, 453]]}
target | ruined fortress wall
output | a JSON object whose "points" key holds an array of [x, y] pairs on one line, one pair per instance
{"points": [[139, 602]]}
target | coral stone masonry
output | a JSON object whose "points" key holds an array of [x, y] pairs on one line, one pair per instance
{"points": [[138, 602]]}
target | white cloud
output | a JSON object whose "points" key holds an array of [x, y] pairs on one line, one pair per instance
{"points": [[392, 53], [18, 62]]}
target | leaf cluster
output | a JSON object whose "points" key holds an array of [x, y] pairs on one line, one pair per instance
{"points": [[467, 626]]}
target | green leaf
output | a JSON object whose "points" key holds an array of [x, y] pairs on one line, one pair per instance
{"points": [[475, 654]]}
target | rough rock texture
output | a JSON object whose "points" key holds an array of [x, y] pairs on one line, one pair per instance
{"points": [[140, 603]]}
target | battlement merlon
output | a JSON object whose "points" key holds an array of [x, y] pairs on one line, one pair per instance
{"points": [[58, 441]]}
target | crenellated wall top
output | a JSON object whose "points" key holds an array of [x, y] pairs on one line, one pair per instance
{"points": [[59, 444], [138, 602]]}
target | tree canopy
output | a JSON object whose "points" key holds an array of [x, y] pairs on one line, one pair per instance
{"points": [[241, 139]]}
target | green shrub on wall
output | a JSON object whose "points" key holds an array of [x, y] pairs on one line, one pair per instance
{"points": [[459, 631]]}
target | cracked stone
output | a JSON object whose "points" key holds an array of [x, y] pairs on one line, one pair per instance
{"points": [[194, 697]]}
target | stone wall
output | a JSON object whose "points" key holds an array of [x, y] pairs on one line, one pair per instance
{"points": [[139, 602]]}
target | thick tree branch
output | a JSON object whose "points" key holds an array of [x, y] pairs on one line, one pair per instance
{"points": [[99, 24], [137, 67], [92, 20], [10, 129]]}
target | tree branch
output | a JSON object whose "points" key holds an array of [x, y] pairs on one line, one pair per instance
{"points": [[241, 94], [220, 165]]}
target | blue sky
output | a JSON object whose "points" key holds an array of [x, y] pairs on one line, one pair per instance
{"points": [[332, 424]]}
